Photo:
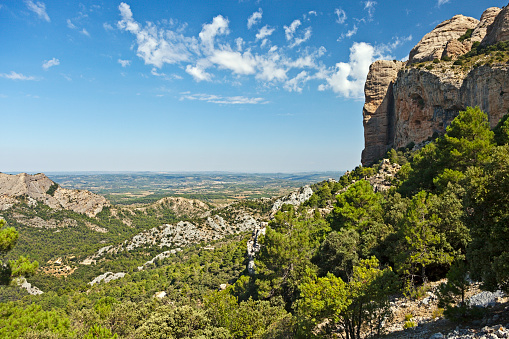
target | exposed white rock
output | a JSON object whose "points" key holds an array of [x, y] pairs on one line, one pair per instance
{"points": [[23, 283], [295, 198], [160, 295], [253, 246], [107, 277], [160, 256]]}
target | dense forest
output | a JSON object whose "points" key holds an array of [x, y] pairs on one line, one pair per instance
{"points": [[326, 268]]}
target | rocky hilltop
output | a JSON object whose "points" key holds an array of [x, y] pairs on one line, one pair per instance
{"points": [[410, 101], [38, 188]]}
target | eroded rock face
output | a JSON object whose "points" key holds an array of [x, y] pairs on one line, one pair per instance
{"points": [[499, 29], [379, 108], [454, 48], [487, 19], [35, 188], [411, 104], [426, 102], [433, 44]]}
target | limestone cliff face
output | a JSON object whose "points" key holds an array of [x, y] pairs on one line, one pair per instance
{"points": [[427, 101], [405, 103], [35, 188], [378, 111]]}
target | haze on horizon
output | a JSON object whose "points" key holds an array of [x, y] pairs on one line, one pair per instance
{"points": [[237, 86]]}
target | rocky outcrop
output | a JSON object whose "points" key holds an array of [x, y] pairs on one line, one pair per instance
{"points": [[433, 44], [179, 235], [39, 188], [378, 111], [410, 104], [487, 19], [454, 48], [107, 277], [253, 247], [499, 29], [23, 283], [182, 206], [383, 180], [295, 198]]}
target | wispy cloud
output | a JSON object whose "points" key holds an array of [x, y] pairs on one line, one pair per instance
{"points": [[85, 32], [107, 26], [38, 8], [350, 33], [254, 19], [341, 15], [265, 31], [290, 30], [219, 99], [70, 24], [290, 33], [50, 63], [214, 50], [17, 76], [441, 2], [156, 47], [124, 63], [370, 7]]}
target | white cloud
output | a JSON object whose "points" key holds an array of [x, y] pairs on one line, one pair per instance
{"points": [[70, 24], [254, 19], [341, 14], [155, 46], [16, 76], [38, 8], [370, 7], [290, 30], [295, 84], [312, 13], [107, 26], [50, 63], [265, 31], [219, 26], [124, 63], [441, 2], [239, 42], [211, 50], [218, 99], [85, 32], [198, 72], [347, 79], [234, 61], [350, 33]]}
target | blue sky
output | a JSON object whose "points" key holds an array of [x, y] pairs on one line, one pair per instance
{"points": [[246, 86]]}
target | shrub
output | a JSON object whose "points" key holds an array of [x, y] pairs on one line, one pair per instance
{"points": [[446, 58]]}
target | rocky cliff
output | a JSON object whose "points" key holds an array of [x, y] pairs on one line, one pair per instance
{"points": [[38, 188], [409, 102]]}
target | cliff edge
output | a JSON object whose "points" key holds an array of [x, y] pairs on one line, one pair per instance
{"points": [[409, 102]]}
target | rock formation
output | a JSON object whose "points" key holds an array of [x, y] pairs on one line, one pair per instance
{"points": [[36, 188], [295, 198], [409, 104], [499, 29], [377, 120], [433, 44], [487, 19]]}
